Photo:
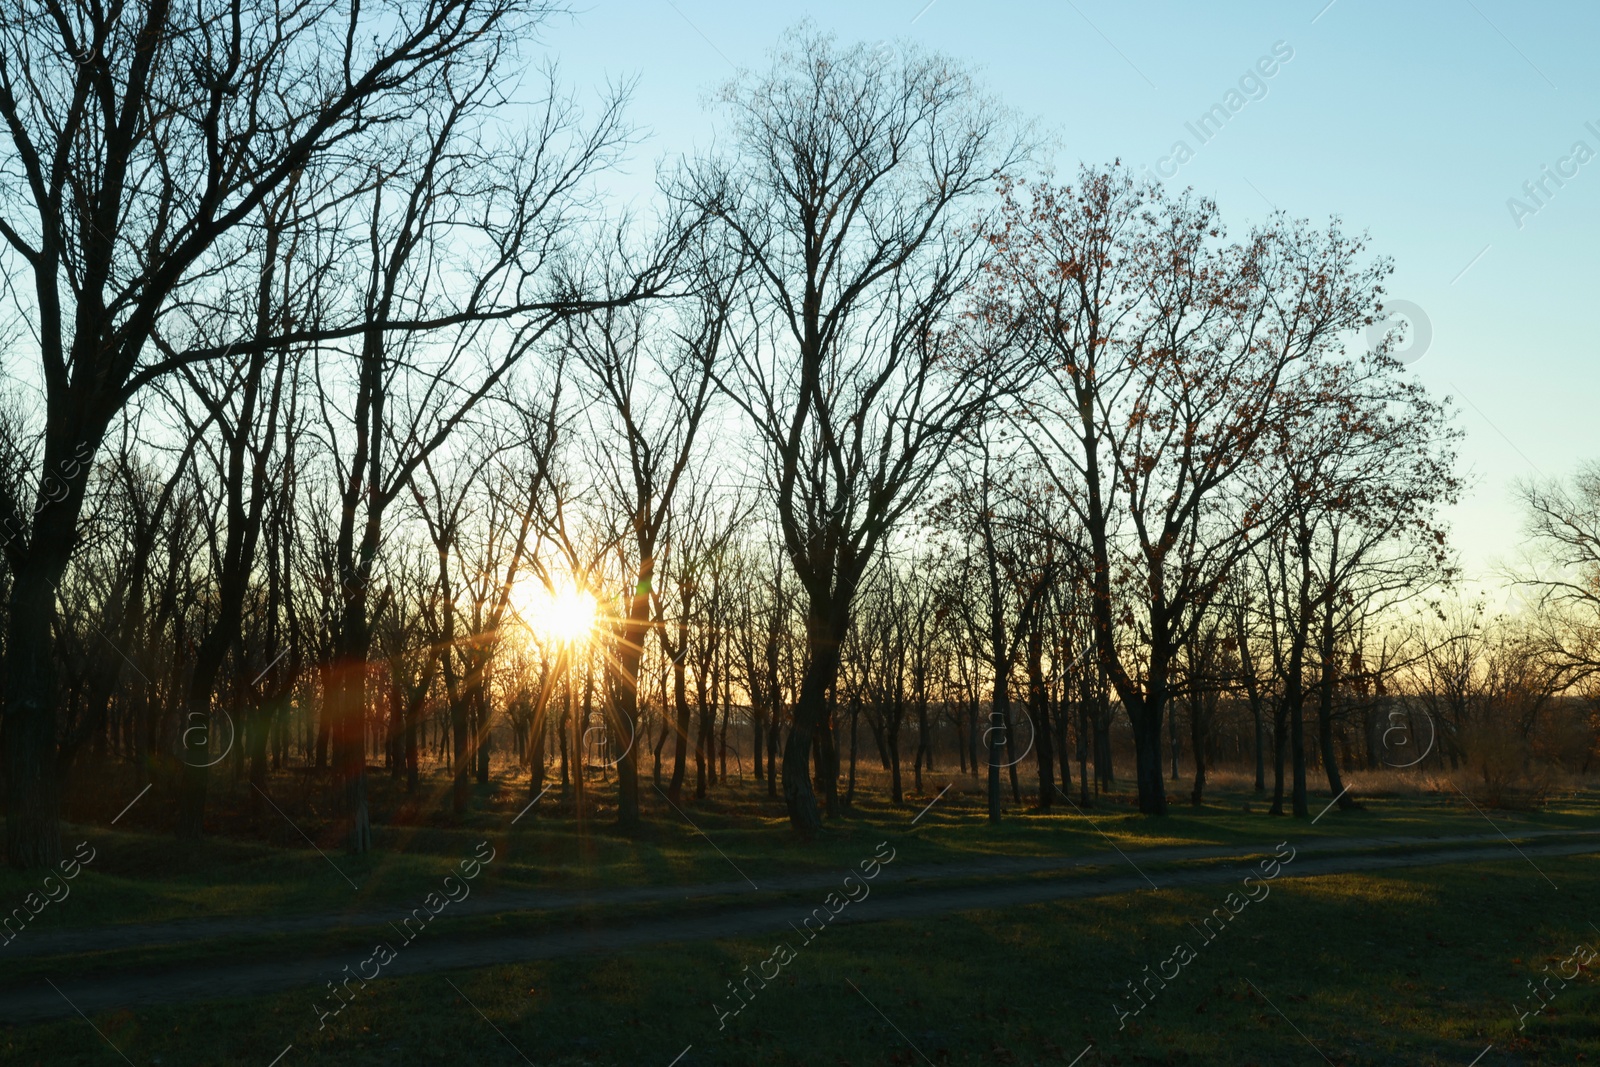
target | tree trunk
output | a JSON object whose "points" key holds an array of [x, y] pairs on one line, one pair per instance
{"points": [[972, 736], [1085, 696], [1105, 774], [1145, 716], [1172, 740], [774, 741], [412, 756], [703, 738], [324, 721], [961, 741], [680, 695], [774, 728], [999, 720], [349, 749], [460, 788], [758, 740], [538, 731], [824, 629], [666, 727], [1297, 754], [810, 716], [630, 656], [1013, 757], [1279, 751], [260, 729], [661, 740], [33, 816], [1039, 709], [481, 718], [922, 741], [1330, 762], [892, 738], [855, 719], [828, 749], [727, 716], [625, 716], [1261, 743], [196, 736], [393, 760]]}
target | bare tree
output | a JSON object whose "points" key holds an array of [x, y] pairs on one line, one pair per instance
{"points": [[650, 373], [697, 537], [1369, 464], [245, 396], [1165, 358], [1013, 570], [511, 208], [139, 139], [1563, 571], [849, 192]]}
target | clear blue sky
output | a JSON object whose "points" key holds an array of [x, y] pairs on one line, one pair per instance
{"points": [[1415, 123]]}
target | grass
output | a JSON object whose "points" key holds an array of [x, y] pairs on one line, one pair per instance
{"points": [[1417, 967], [141, 875]]}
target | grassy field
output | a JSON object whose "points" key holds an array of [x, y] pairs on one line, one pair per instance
{"points": [[1415, 966], [1423, 967], [148, 876]]}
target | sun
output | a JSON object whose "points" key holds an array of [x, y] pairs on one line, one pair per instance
{"points": [[565, 614]]}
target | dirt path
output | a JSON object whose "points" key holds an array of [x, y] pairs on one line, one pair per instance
{"points": [[435, 951]]}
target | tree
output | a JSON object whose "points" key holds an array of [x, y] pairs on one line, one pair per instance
{"points": [[1165, 356], [697, 538], [244, 397], [650, 373], [850, 190], [995, 505], [1563, 571], [1368, 464], [510, 209], [139, 140], [882, 640]]}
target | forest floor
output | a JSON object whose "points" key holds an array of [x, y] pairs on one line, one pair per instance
{"points": [[1007, 941]]}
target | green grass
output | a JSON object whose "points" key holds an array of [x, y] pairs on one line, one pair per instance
{"points": [[1416, 967], [141, 875]]}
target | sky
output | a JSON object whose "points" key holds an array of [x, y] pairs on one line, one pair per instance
{"points": [[1423, 125]]}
